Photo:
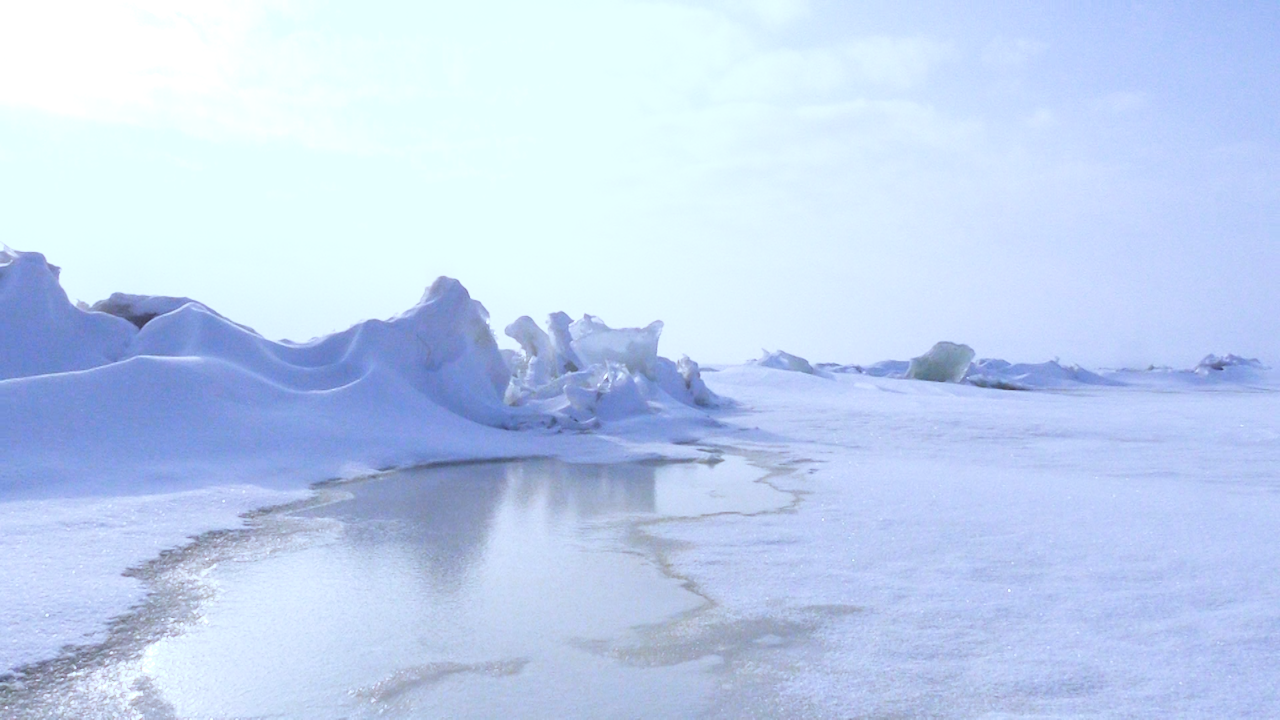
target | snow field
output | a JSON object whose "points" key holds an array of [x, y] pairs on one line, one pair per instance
{"points": [[1008, 554]]}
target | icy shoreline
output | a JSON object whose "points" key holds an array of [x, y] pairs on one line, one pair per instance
{"points": [[125, 441], [560, 520]]}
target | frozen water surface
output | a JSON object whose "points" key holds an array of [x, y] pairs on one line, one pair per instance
{"points": [[480, 590]]}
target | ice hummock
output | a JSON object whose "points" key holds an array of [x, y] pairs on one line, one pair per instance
{"points": [[945, 362], [952, 362], [1213, 372], [1214, 363], [585, 371], [1003, 375], [598, 344], [887, 369], [782, 360]]}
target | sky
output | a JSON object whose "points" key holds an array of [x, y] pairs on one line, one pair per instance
{"points": [[1098, 182]]}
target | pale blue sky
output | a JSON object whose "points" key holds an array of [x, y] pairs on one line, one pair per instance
{"points": [[846, 181]]}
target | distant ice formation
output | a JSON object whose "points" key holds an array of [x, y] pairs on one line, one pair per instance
{"points": [[945, 362], [1003, 375], [950, 362], [780, 360], [1212, 363], [888, 368], [1213, 372]]}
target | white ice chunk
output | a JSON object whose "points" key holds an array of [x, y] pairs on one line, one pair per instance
{"points": [[538, 364], [945, 362], [532, 339], [692, 376], [605, 391], [683, 381], [634, 348], [567, 360]]}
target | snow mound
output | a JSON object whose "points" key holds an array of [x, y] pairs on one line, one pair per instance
{"points": [[1003, 375], [441, 349], [577, 373], [91, 398], [945, 362], [888, 369], [41, 331], [780, 360]]}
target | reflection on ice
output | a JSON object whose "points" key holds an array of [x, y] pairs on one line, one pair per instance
{"points": [[464, 591]]}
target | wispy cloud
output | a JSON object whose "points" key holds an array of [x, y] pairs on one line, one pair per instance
{"points": [[1120, 102], [776, 12], [787, 74], [1012, 53]]}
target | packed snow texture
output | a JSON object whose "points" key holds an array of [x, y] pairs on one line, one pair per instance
{"points": [[945, 362], [63, 559], [963, 552]]}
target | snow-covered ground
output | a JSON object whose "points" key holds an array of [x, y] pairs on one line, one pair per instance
{"points": [[1107, 552], [1104, 543]]}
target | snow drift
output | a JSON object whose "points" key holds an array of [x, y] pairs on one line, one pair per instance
{"points": [[441, 348], [190, 399]]}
